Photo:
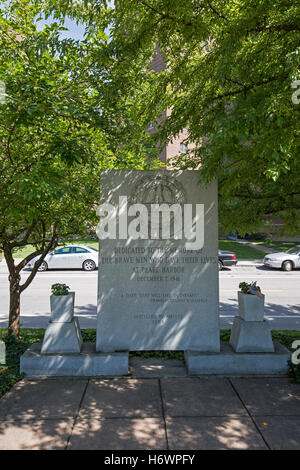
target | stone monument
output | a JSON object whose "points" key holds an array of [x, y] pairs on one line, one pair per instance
{"points": [[158, 262], [157, 286]]}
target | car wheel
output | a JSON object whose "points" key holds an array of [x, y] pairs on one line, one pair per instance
{"points": [[220, 265], [43, 267], [287, 266], [89, 265]]}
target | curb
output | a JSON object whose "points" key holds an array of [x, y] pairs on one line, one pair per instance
{"points": [[249, 262]]}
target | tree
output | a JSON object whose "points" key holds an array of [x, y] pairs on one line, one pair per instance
{"points": [[229, 72], [57, 131]]}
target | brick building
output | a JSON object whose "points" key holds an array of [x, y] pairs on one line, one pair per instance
{"points": [[177, 146]]}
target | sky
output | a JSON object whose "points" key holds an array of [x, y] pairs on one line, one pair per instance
{"points": [[74, 31]]}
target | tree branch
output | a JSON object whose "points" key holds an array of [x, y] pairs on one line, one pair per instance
{"points": [[24, 241], [245, 88], [164, 15], [220, 15], [264, 196], [38, 263], [9, 141], [275, 27]]}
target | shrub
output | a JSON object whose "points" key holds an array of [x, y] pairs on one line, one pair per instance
{"points": [[247, 287], [60, 289]]}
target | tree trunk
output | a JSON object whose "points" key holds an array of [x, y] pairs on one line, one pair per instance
{"points": [[14, 293], [15, 287], [14, 305]]}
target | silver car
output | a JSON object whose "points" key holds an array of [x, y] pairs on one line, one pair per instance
{"points": [[287, 260], [69, 257]]}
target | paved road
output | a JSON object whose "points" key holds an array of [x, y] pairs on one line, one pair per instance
{"points": [[282, 296]]}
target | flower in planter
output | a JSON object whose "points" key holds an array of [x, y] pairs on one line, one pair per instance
{"points": [[252, 288], [60, 289]]}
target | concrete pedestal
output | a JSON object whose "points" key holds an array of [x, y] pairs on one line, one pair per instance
{"points": [[251, 336], [2, 353], [87, 363], [228, 362], [62, 338]]}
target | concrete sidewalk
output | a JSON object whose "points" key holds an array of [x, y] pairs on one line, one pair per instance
{"points": [[256, 246], [157, 408]]}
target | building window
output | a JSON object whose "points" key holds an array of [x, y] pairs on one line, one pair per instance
{"points": [[183, 148]]}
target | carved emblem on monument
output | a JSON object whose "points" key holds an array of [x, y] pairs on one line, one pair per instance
{"points": [[160, 189]]}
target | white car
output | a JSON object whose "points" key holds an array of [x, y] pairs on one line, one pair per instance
{"points": [[69, 257], [287, 260]]}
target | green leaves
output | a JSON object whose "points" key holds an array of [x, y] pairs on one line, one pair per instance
{"points": [[61, 122], [60, 289], [229, 69]]}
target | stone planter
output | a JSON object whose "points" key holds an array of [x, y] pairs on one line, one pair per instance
{"points": [[251, 307], [62, 307], [62, 335]]}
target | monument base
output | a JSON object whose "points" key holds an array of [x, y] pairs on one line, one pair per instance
{"points": [[228, 362], [87, 363], [90, 363]]}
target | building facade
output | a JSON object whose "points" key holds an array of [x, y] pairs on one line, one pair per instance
{"points": [[177, 145]]}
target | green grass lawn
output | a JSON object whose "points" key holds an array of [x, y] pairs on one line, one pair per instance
{"points": [[84, 241], [278, 246], [9, 373], [241, 251]]}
